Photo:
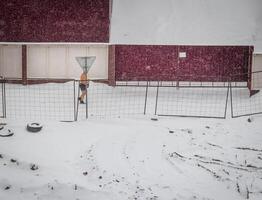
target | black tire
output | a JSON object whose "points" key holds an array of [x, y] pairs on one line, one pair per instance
{"points": [[6, 133], [34, 127]]}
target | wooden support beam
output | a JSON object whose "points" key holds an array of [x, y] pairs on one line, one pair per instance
{"points": [[24, 64], [111, 65]]}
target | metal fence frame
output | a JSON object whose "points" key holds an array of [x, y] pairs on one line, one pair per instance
{"points": [[195, 116], [144, 100], [146, 84], [3, 99], [68, 116], [233, 115]]}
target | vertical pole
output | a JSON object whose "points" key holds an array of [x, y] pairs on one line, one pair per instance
{"points": [[2, 89], [225, 115], [77, 102], [156, 97], [3, 99], [24, 64], [74, 85], [249, 70], [146, 98], [86, 105], [231, 99]]}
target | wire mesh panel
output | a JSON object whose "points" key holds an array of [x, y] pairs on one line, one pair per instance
{"points": [[2, 98], [192, 101], [257, 80], [106, 101], [243, 104], [42, 101]]}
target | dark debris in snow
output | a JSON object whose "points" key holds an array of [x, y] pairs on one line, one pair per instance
{"points": [[7, 187], [248, 148], [250, 119], [34, 167], [154, 119]]}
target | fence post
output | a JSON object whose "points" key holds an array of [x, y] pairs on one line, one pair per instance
{"points": [[3, 98], [74, 85], [225, 114], [156, 97], [145, 105], [4, 101], [77, 105], [2, 89], [231, 100], [86, 104]]}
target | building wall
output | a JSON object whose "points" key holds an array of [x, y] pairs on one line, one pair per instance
{"points": [[53, 61], [54, 21], [11, 61], [159, 62], [257, 71]]}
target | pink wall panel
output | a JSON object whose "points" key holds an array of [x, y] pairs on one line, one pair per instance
{"points": [[139, 62], [202, 63], [54, 21]]}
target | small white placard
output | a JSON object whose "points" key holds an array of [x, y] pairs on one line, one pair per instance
{"points": [[182, 54]]}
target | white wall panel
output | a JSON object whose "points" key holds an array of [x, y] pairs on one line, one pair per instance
{"points": [[74, 70], [37, 62], [11, 61], [257, 67], [59, 61], [99, 69]]}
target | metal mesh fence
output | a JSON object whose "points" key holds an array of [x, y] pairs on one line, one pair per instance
{"points": [[42, 101], [2, 98], [242, 104], [59, 101], [257, 80], [107, 101], [245, 102], [202, 101]]}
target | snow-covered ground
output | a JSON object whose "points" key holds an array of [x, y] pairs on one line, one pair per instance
{"points": [[135, 157], [171, 158]]}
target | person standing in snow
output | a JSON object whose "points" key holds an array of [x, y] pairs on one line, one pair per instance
{"points": [[83, 84]]}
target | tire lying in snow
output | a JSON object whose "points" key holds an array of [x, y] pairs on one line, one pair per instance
{"points": [[5, 132], [34, 127]]}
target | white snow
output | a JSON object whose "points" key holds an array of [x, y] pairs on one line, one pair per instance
{"points": [[187, 22], [132, 158]]}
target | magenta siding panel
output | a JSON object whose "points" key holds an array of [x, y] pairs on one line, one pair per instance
{"points": [[136, 62], [54, 21], [202, 63]]}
